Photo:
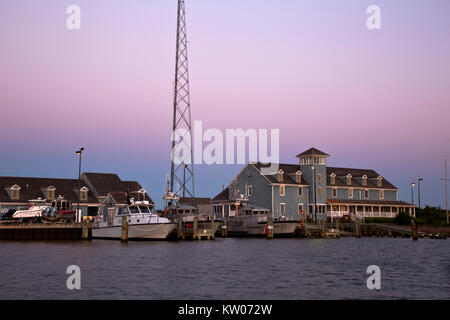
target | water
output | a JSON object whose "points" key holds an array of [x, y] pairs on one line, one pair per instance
{"points": [[227, 269]]}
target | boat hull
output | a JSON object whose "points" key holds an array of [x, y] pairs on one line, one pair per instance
{"points": [[254, 226], [153, 231]]}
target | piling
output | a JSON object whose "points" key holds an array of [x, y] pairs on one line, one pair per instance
{"points": [[195, 229], [224, 228], [85, 230], [124, 235], [415, 234], [269, 234], [180, 228]]}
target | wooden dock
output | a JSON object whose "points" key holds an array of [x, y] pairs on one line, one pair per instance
{"points": [[196, 232], [42, 231]]}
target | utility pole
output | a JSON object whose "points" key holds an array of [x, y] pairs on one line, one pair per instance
{"points": [[182, 170], [446, 189]]}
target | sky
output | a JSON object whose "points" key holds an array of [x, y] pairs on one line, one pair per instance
{"points": [[375, 99]]}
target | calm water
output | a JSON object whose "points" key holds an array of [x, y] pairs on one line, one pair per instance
{"points": [[227, 269]]}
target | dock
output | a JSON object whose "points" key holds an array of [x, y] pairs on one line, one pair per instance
{"points": [[42, 231], [198, 231]]}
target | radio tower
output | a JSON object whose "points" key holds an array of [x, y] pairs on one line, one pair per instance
{"points": [[182, 174]]}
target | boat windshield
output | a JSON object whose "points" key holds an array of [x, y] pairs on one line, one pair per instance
{"points": [[134, 210], [144, 209]]}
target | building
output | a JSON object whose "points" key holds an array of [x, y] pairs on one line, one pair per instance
{"points": [[92, 192], [310, 186]]}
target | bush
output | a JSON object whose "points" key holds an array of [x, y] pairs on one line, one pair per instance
{"points": [[431, 216], [403, 219]]}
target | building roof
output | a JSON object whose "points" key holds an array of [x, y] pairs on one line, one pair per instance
{"points": [[223, 195], [33, 188], [312, 152], [370, 202], [289, 173], [104, 183], [357, 174]]}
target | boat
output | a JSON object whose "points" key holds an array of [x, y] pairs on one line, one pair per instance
{"points": [[143, 223], [34, 212], [252, 222], [176, 211]]}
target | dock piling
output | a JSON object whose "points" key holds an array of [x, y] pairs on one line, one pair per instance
{"points": [[224, 228], [269, 234], [124, 235]]}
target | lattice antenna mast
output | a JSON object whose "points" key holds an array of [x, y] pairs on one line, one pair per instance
{"points": [[182, 173]]}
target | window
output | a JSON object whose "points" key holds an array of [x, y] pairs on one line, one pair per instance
{"points": [[282, 208], [280, 176], [333, 178], [319, 191], [15, 192], [84, 194], [349, 179], [298, 177], [300, 191], [350, 193], [51, 194], [380, 181], [335, 192], [381, 194], [364, 180], [282, 191], [366, 194], [319, 178], [249, 191]]}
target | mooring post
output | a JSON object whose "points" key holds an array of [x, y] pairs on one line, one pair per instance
{"points": [[269, 234], [195, 234], [85, 230], [180, 228], [415, 234], [124, 236], [224, 228]]}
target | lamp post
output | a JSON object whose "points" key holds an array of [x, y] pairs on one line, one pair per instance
{"points": [[79, 152], [314, 193], [418, 190], [412, 192]]}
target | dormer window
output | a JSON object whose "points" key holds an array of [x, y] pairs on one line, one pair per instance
{"points": [[280, 175], [15, 192], [333, 178], [364, 180], [84, 194], [349, 179], [380, 181], [51, 193], [298, 177]]}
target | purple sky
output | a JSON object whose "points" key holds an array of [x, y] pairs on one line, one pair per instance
{"points": [[371, 99]]}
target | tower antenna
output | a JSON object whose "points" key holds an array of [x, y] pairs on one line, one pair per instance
{"points": [[182, 171]]}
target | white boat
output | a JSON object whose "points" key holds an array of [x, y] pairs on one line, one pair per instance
{"points": [[35, 210], [143, 223]]}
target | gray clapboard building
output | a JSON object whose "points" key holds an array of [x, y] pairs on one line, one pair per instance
{"points": [[310, 186]]}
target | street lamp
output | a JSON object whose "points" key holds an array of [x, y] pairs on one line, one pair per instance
{"points": [[79, 152], [412, 192], [418, 190], [314, 193]]}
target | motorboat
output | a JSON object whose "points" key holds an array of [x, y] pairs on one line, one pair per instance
{"points": [[252, 221], [35, 210], [143, 223]]}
